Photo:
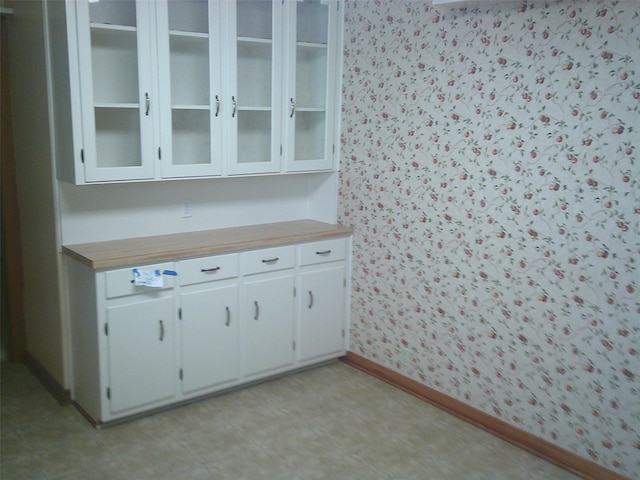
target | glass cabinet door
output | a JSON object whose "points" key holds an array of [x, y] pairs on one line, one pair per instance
{"points": [[117, 89], [256, 79], [311, 84], [189, 76]]}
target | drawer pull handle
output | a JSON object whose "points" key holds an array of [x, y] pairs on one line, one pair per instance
{"points": [[228, 317], [324, 252], [217, 105], [147, 104], [257, 310], [161, 330], [271, 260], [209, 270], [310, 299], [234, 107]]}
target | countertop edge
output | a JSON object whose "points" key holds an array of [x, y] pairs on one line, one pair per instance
{"points": [[81, 252]]}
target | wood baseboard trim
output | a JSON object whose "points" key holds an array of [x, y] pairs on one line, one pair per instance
{"points": [[62, 395], [562, 458]]}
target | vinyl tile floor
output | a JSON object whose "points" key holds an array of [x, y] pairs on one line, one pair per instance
{"points": [[332, 422]]}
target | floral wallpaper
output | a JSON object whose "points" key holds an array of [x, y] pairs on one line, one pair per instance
{"points": [[490, 170]]}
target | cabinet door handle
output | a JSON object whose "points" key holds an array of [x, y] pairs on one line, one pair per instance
{"points": [[228, 317], [234, 107], [209, 270], [324, 252], [257, 310], [293, 108], [310, 299], [161, 330], [147, 103], [271, 260], [217, 105]]}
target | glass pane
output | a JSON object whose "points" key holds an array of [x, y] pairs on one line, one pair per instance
{"points": [[189, 16], [189, 57], [113, 12], [114, 59], [254, 136], [312, 21], [311, 76], [191, 141], [309, 141], [254, 74], [117, 137], [254, 19]]}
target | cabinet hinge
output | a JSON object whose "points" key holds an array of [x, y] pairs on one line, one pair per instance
{"points": [[106, 329], [82, 155], [280, 150], [159, 153], [295, 293], [344, 282], [334, 148], [294, 345], [180, 374], [180, 313], [343, 333], [108, 393]]}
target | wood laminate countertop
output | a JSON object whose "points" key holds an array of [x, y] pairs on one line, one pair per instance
{"points": [[133, 251]]}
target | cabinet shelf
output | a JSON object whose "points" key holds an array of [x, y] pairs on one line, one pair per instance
{"points": [[190, 107], [254, 109], [183, 33], [266, 41], [310, 109], [117, 105], [321, 46], [112, 27]]}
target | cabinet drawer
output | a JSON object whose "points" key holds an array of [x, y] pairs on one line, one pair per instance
{"points": [[120, 282], [268, 259], [323, 251], [208, 269]]}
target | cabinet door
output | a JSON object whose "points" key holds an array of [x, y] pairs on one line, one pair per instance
{"points": [[311, 82], [189, 61], [117, 89], [321, 310], [267, 315], [141, 353], [254, 82], [209, 338]]}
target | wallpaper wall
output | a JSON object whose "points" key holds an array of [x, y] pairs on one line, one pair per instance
{"points": [[490, 170]]}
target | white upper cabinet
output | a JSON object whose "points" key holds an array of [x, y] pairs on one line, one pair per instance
{"points": [[254, 86], [189, 60], [118, 90], [201, 88], [310, 86]]}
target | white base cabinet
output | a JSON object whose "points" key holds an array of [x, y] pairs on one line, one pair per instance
{"points": [[141, 350], [321, 304], [268, 324], [216, 322], [209, 336]]}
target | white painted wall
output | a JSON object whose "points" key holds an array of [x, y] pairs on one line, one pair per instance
{"points": [[36, 192], [105, 212]]}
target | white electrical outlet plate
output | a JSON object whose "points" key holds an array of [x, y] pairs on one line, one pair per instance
{"points": [[186, 208]]}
